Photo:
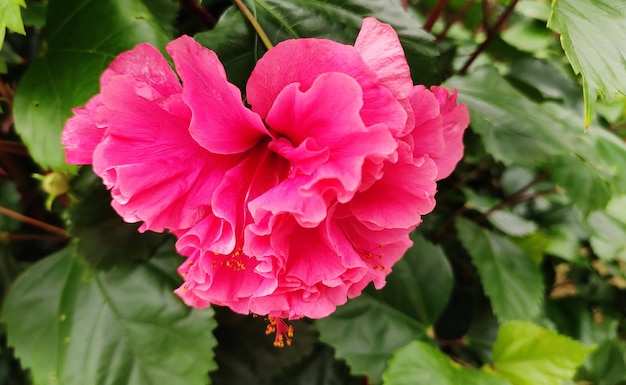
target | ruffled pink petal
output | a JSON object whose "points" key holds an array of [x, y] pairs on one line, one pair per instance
{"points": [[222, 280], [327, 114], [156, 172], [220, 122], [455, 119], [304, 60], [380, 48], [401, 197], [81, 135], [145, 64], [427, 134], [257, 173], [313, 273], [379, 249]]}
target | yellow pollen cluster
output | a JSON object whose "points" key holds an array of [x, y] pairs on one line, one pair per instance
{"points": [[282, 336], [234, 262]]}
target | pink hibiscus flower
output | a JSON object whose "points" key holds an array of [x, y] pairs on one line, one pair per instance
{"points": [[293, 205]]}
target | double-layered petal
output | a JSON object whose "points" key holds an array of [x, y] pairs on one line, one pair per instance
{"points": [[293, 205]]}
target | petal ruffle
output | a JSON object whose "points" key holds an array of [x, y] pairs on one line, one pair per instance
{"points": [[380, 48], [401, 197], [81, 136], [304, 60], [455, 119], [328, 115], [220, 122]]}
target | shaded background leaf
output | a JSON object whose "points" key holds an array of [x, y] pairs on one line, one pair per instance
{"points": [[510, 278]]}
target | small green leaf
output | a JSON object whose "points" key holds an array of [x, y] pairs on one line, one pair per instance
{"points": [[526, 354], [11, 17], [593, 35], [366, 331], [420, 363], [510, 278], [74, 326], [67, 75]]}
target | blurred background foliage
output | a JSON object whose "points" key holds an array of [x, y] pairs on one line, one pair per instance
{"points": [[518, 277]]}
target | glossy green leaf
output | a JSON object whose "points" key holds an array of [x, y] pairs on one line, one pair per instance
{"points": [[593, 35], [365, 332], [420, 283], [509, 277], [526, 354], [238, 46], [67, 75], [420, 363], [71, 325], [513, 129]]}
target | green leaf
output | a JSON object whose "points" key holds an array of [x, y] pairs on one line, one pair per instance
{"points": [[528, 36], [420, 283], [608, 236], [526, 354], [71, 325], [593, 35], [511, 224], [510, 278], [237, 45], [366, 331], [581, 182], [67, 75], [513, 128], [420, 363], [11, 18]]}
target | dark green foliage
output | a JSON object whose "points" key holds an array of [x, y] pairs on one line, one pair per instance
{"points": [[522, 261]]}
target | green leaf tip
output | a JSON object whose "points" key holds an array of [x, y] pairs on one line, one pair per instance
{"points": [[594, 39]]}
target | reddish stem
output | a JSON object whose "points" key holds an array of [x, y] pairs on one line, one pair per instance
{"points": [[33, 221], [433, 15], [491, 34], [457, 16]]}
